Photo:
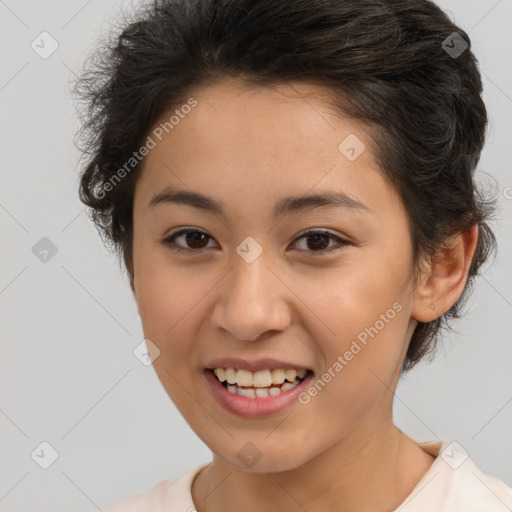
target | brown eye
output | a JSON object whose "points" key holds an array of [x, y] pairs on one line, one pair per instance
{"points": [[318, 242], [191, 240]]}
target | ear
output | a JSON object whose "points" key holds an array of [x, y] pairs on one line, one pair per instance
{"points": [[441, 285]]}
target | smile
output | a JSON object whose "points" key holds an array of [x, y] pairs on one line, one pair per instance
{"points": [[261, 384]]}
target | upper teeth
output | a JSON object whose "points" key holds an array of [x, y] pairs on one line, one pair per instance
{"points": [[261, 379]]}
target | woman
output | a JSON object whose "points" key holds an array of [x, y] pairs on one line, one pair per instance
{"points": [[290, 186]]}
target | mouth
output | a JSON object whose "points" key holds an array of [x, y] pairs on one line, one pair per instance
{"points": [[260, 384]]}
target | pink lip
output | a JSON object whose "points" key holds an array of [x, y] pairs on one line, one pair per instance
{"points": [[254, 407], [253, 366]]}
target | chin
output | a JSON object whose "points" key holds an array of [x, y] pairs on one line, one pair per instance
{"points": [[256, 458]]}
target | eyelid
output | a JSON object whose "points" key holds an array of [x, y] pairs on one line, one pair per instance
{"points": [[310, 231], [325, 252], [182, 231]]}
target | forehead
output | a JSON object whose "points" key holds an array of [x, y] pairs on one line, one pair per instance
{"points": [[261, 144], [231, 117]]}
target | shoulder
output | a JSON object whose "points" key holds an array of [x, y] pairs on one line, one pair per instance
{"points": [[146, 500], [455, 484], [167, 495], [474, 491]]}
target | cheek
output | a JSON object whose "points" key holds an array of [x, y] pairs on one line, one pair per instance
{"points": [[344, 303], [163, 290], [169, 301], [165, 296], [361, 359], [360, 326]]}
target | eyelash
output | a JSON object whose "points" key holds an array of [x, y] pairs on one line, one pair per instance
{"points": [[170, 240]]}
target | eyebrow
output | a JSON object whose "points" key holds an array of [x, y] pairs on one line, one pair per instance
{"points": [[285, 206]]}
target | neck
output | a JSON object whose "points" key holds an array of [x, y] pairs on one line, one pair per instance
{"points": [[373, 467]]}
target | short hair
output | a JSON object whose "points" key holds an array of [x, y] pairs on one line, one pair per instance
{"points": [[402, 67]]}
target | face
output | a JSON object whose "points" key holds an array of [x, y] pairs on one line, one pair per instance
{"points": [[236, 282]]}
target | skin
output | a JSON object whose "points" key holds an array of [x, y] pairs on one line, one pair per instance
{"points": [[248, 147]]}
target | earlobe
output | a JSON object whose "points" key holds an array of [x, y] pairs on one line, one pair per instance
{"points": [[443, 282]]}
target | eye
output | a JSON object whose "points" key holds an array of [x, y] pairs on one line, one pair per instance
{"points": [[320, 240], [191, 236], [197, 241]]}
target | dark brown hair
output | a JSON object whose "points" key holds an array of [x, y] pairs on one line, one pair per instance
{"points": [[394, 65]]}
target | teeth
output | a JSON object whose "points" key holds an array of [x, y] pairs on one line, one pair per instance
{"points": [[261, 379], [220, 373], [291, 375], [287, 385], [231, 375], [262, 392], [244, 378], [248, 392], [260, 384], [278, 376]]}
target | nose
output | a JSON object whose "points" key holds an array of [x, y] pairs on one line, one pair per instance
{"points": [[253, 300]]}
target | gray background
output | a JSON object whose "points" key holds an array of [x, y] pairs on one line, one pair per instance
{"points": [[67, 372]]}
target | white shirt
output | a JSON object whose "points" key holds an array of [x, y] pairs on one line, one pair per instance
{"points": [[452, 484]]}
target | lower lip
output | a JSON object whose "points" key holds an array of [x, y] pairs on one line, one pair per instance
{"points": [[254, 407]]}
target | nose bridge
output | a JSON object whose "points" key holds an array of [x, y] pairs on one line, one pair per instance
{"points": [[251, 276], [254, 300]]}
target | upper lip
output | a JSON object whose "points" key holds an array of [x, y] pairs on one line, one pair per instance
{"points": [[254, 366]]}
